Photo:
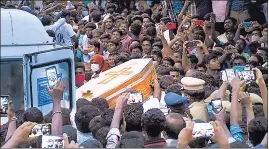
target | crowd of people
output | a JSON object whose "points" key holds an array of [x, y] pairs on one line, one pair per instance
{"points": [[190, 52]]}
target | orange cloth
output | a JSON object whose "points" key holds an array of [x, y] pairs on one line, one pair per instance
{"points": [[101, 61]]}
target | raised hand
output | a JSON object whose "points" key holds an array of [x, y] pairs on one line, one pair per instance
{"points": [[57, 92]]}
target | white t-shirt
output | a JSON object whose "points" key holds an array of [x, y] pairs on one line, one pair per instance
{"points": [[155, 103], [56, 25], [64, 35]]}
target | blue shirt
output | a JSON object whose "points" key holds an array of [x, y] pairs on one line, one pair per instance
{"points": [[237, 133], [240, 5]]}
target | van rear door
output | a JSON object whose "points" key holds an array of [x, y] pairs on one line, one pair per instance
{"points": [[35, 77]]}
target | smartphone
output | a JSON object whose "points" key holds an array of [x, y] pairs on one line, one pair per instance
{"points": [[247, 24], [247, 75], [202, 130], [52, 76], [135, 98], [52, 142], [40, 130], [198, 22], [217, 105], [191, 44], [4, 104], [171, 26], [227, 75], [238, 68], [186, 25]]}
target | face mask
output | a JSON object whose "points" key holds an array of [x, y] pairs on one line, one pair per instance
{"points": [[80, 78], [95, 67], [255, 38], [85, 13], [88, 76], [149, 3]]}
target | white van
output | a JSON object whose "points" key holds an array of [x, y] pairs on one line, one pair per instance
{"points": [[26, 53]]}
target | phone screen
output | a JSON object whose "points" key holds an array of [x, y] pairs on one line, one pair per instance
{"points": [[202, 130], [217, 105], [4, 104], [247, 75], [52, 142], [52, 76], [247, 24], [135, 98], [40, 130]]}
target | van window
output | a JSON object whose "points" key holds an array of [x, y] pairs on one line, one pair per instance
{"points": [[39, 82], [12, 82]]}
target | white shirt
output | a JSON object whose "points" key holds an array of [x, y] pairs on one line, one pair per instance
{"points": [[56, 25], [155, 103], [222, 38], [64, 35], [87, 19]]}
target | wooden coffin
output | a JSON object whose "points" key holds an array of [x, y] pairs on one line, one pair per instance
{"points": [[136, 74]]}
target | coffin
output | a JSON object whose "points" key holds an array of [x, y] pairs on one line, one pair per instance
{"points": [[136, 74]]}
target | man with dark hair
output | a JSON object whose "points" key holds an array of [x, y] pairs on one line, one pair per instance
{"points": [[33, 115], [133, 139], [108, 115], [96, 17], [177, 74], [132, 116], [195, 92], [229, 23], [94, 47], [116, 35], [91, 143], [153, 122], [168, 62], [82, 120], [65, 116], [125, 38], [137, 20], [81, 102], [65, 35], [79, 74], [162, 70], [257, 128], [136, 48], [95, 124], [100, 103], [135, 30], [156, 57], [101, 134], [109, 22], [174, 124], [239, 61], [146, 45]]}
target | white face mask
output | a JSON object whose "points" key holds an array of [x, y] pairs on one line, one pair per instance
{"points": [[95, 67], [255, 38]]}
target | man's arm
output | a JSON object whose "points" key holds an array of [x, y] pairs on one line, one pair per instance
{"points": [[185, 61], [57, 95], [113, 135], [167, 51], [56, 25], [185, 7], [263, 90], [12, 121], [246, 102], [228, 9], [238, 32]]}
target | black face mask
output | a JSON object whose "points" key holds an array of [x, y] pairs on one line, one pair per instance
{"points": [[253, 63], [88, 76]]}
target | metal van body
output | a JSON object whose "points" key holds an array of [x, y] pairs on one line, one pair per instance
{"points": [[23, 35]]}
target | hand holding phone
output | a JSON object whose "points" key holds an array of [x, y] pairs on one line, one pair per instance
{"points": [[40, 130], [202, 130], [4, 104], [52, 76], [247, 24], [135, 98], [217, 105], [52, 142]]}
